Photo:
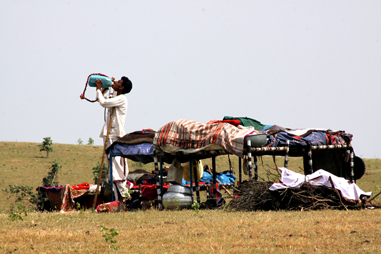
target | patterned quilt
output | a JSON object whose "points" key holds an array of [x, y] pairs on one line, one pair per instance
{"points": [[187, 134]]}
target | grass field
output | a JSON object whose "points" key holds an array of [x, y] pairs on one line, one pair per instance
{"points": [[187, 231]]}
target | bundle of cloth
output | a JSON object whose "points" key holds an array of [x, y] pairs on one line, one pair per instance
{"points": [[278, 136], [191, 137], [62, 197]]}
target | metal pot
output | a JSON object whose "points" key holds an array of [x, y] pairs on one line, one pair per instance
{"points": [[177, 197], [180, 189]]}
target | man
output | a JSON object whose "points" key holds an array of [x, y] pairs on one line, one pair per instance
{"points": [[119, 105]]}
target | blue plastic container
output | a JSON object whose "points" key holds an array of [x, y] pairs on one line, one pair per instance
{"points": [[106, 81]]}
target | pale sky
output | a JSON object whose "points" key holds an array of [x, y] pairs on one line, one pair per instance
{"points": [[297, 64]]}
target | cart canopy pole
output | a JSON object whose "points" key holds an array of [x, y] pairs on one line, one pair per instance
{"points": [[103, 159], [158, 187], [249, 166]]}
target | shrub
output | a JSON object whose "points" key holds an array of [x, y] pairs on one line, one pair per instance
{"points": [[52, 179]]}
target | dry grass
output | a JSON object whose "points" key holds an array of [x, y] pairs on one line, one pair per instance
{"points": [[188, 231], [207, 231], [23, 163]]}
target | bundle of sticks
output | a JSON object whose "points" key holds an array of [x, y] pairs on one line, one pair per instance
{"points": [[254, 196]]}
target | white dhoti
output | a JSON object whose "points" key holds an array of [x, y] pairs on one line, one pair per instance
{"points": [[119, 173]]}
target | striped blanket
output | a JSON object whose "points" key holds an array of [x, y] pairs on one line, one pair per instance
{"points": [[194, 136]]}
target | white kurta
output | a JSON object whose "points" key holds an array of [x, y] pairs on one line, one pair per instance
{"points": [[119, 164], [120, 104]]}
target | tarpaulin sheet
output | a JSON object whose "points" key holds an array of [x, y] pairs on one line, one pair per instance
{"points": [[140, 152]]}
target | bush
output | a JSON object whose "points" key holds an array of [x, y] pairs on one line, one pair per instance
{"points": [[21, 194]]}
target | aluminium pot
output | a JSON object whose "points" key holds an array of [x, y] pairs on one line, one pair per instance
{"points": [[177, 197]]}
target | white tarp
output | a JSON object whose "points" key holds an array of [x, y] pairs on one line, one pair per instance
{"points": [[290, 179]]}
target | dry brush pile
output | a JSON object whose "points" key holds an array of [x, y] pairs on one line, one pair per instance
{"points": [[255, 195]]}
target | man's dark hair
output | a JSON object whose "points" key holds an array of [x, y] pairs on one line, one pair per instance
{"points": [[127, 84]]}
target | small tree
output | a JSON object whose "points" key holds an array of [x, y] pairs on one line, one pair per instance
{"points": [[46, 146], [52, 179], [110, 235], [90, 142], [80, 141]]}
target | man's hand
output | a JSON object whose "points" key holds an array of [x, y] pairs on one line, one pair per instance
{"points": [[98, 82]]}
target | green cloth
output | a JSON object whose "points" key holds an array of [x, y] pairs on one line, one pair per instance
{"points": [[245, 121]]}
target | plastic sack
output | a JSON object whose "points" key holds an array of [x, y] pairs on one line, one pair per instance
{"points": [[175, 172], [186, 174]]}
